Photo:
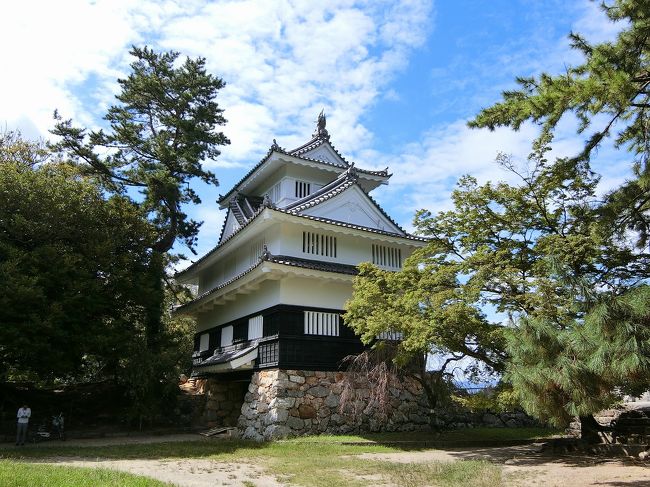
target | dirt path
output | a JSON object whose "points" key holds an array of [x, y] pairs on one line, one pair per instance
{"points": [[526, 466], [184, 473], [522, 465]]}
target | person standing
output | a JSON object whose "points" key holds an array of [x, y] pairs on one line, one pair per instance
{"points": [[24, 413]]}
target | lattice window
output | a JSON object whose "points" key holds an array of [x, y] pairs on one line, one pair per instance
{"points": [[319, 323], [226, 336], [302, 189], [255, 327], [268, 353], [318, 244], [385, 256]]}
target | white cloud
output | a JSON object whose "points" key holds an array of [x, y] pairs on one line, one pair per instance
{"points": [[283, 60]]}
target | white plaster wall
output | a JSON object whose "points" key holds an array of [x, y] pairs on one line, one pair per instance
{"points": [[266, 296], [287, 176], [350, 249], [304, 291], [240, 258]]}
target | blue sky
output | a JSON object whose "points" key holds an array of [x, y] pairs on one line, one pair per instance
{"points": [[397, 80]]}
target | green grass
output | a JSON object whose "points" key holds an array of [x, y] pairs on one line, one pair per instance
{"points": [[477, 435], [18, 474], [316, 460]]}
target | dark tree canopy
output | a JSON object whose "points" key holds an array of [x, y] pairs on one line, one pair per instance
{"points": [[72, 267], [160, 132]]}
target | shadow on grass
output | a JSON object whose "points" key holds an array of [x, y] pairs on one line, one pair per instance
{"points": [[200, 448]]}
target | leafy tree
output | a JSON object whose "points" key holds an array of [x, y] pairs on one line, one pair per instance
{"points": [[563, 368], [162, 130], [74, 268], [534, 253], [164, 126], [609, 90], [77, 284]]}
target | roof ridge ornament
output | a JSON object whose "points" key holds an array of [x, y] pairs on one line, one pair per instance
{"points": [[351, 172], [266, 255], [321, 131]]}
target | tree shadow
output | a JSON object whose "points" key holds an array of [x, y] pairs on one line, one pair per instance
{"points": [[199, 448]]}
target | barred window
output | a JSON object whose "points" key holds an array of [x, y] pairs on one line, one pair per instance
{"points": [[318, 244], [319, 323], [302, 189], [255, 327], [390, 335], [386, 256]]}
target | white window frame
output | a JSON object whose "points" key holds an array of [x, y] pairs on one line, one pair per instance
{"points": [[321, 323], [204, 342], [255, 327], [226, 335]]}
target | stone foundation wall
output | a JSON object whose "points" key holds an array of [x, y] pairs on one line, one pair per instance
{"points": [[223, 401], [282, 403]]}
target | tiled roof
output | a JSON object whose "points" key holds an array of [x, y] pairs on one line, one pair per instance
{"points": [[273, 148], [308, 217], [340, 184], [226, 355], [312, 144], [277, 259], [313, 264], [216, 288], [353, 226], [222, 241]]}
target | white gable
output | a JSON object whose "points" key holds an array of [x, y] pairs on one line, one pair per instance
{"points": [[324, 152], [353, 206], [230, 227]]}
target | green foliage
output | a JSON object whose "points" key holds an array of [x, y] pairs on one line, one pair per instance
{"points": [[82, 295], [499, 399], [611, 87], [162, 129], [581, 339], [73, 267]]}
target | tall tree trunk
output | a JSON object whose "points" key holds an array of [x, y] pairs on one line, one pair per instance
{"points": [[154, 309]]}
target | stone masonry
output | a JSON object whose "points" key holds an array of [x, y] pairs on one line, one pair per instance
{"points": [[223, 401], [282, 403]]}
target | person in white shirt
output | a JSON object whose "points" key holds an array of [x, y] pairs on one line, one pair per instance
{"points": [[24, 413]]}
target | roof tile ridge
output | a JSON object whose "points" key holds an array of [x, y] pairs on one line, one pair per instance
{"points": [[324, 197], [338, 181], [274, 148], [383, 212], [224, 241], [354, 226], [220, 286], [314, 142], [311, 263]]}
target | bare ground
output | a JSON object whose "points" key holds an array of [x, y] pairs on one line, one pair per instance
{"points": [[522, 466], [526, 466]]}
